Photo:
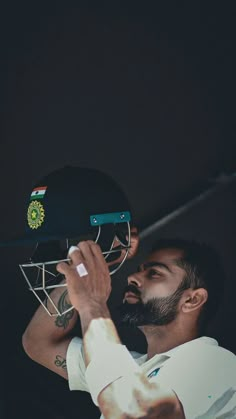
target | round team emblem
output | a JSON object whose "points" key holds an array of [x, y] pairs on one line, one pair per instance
{"points": [[35, 214]]}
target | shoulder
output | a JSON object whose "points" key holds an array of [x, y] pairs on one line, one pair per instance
{"points": [[204, 354], [206, 368], [199, 373], [203, 349]]}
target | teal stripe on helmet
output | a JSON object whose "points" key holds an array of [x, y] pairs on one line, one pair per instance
{"points": [[112, 217]]}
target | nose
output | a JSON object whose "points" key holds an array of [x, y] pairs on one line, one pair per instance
{"points": [[135, 279]]}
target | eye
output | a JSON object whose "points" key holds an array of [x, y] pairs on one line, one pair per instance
{"points": [[153, 273]]}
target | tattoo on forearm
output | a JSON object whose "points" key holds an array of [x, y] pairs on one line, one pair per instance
{"points": [[60, 362], [63, 321]]}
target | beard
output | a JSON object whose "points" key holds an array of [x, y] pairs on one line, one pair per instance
{"points": [[156, 311]]}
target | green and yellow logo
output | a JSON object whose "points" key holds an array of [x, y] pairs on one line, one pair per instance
{"points": [[35, 214]]}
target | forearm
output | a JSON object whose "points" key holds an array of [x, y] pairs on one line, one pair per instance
{"points": [[126, 393], [98, 329]]}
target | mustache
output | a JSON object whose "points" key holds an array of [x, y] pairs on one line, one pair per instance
{"points": [[133, 289]]}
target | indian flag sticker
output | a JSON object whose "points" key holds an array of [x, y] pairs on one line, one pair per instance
{"points": [[38, 193]]}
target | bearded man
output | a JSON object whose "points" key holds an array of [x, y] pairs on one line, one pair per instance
{"points": [[171, 298]]}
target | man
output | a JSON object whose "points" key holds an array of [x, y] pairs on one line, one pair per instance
{"points": [[170, 298], [64, 205]]}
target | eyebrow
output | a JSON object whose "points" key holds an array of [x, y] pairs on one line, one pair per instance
{"points": [[159, 264]]}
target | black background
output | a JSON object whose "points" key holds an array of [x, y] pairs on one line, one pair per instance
{"points": [[142, 90]]}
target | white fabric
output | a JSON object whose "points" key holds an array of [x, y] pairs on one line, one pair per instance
{"points": [[115, 362], [201, 373], [76, 366]]}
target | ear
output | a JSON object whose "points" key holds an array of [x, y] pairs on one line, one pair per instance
{"points": [[194, 299]]}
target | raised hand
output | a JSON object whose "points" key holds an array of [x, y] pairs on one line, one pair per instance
{"points": [[87, 276]]}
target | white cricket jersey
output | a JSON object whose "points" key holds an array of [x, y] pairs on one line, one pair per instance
{"points": [[200, 372]]}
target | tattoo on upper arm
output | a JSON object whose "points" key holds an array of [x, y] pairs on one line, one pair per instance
{"points": [[63, 321], [60, 362]]}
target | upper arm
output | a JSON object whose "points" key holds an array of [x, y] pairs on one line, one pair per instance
{"points": [[64, 357], [46, 338], [50, 354]]}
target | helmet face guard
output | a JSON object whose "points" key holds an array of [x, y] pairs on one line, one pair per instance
{"points": [[66, 206], [111, 231]]}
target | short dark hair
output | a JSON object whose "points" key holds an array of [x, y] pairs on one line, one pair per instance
{"points": [[203, 268]]}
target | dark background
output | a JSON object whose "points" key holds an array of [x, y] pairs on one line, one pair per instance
{"points": [[142, 90]]}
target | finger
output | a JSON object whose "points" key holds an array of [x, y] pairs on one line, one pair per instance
{"points": [[133, 245], [96, 249], [85, 249], [98, 256], [75, 255], [94, 259], [134, 231], [82, 271], [134, 242], [71, 250], [63, 268]]}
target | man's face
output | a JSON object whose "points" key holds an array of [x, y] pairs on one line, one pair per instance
{"points": [[153, 293]]}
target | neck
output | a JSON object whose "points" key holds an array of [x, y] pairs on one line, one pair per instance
{"points": [[163, 338]]}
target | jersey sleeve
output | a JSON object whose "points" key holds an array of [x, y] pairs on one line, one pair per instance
{"points": [[76, 365]]}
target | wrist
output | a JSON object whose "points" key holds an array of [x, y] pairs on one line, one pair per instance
{"points": [[93, 309], [92, 313]]}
